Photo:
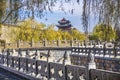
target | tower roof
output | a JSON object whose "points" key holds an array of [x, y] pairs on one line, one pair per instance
{"points": [[64, 24], [63, 21]]}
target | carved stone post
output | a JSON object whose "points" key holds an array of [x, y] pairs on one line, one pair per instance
{"points": [[58, 43], [65, 42], [2, 57], [45, 43], [64, 57], [32, 43], [18, 43], [115, 49], [48, 55], [91, 65], [104, 53], [4, 44], [8, 54], [27, 53], [27, 56], [36, 54], [91, 44], [19, 53], [84, 43], [91, 62], [71, 43], [79, 44]]}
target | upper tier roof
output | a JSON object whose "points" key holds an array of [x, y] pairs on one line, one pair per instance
{"points": [[63, 21]]}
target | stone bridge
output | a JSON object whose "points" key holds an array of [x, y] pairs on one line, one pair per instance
{"points": [[28, 63]]}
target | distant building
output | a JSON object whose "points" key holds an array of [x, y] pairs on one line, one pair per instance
{"points": [[64, 25]]}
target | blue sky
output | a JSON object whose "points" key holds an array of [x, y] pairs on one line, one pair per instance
{"points": [[59, 12]]}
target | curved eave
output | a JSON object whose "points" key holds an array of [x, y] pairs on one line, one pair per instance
{"points": [[63, 22], [62, 26]]}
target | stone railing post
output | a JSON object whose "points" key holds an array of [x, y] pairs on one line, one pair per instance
{"points": [[18, 44], [71, 43], [84, 43], [94, 45], [90, 65], [65, 42], [8, 54], [19, 53], [115, 49], [27, 56], [64, 57], [31, 43], [104, 53], [48, 55], [75, 41], [79, 44], [58, 43], [4, 44], [2, 57], [99, 43], [36, 54], [45, 43], [91, 44]]}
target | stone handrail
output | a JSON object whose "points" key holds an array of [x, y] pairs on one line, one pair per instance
{"points": [[55, 43], [43, 70], [108, 58]]}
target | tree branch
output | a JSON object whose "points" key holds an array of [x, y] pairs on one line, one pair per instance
{"points": [[11, 13]]}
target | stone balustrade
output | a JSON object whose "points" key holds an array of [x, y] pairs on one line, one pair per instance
{"points": [[56, 43], [43, 70], [108, 58]]}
